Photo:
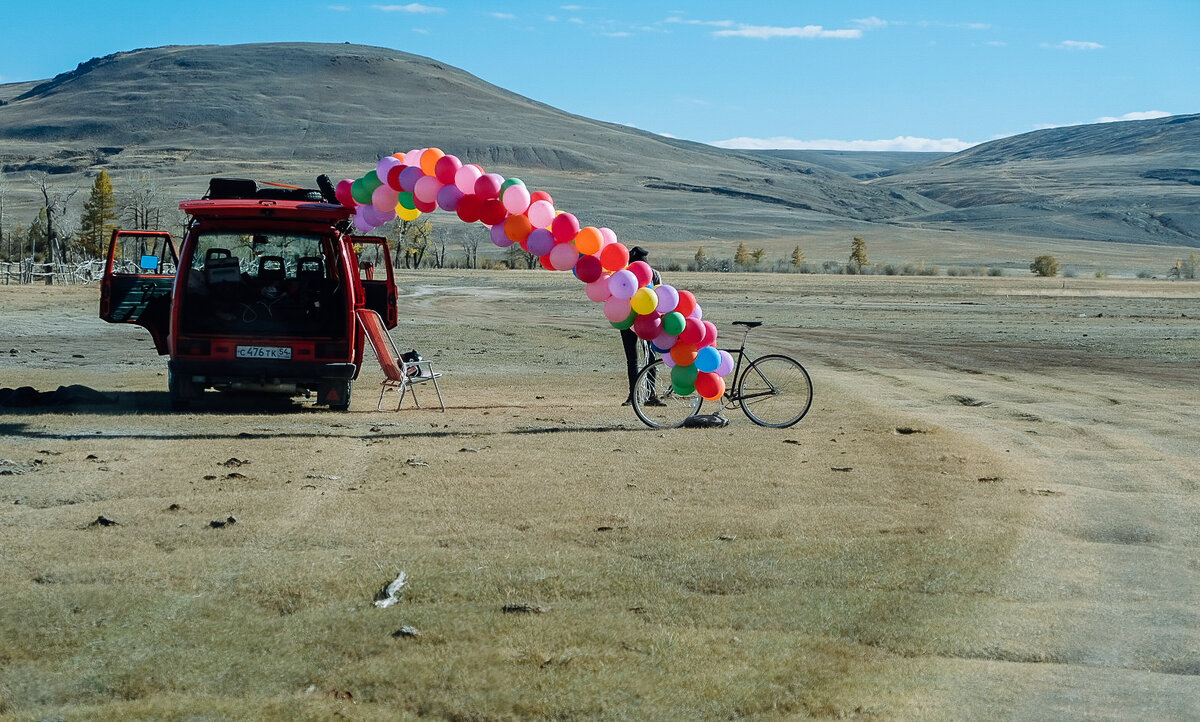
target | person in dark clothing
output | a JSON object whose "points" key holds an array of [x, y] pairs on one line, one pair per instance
{"points": [[629, 339]]}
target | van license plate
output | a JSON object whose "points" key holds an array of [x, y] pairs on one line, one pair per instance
{"points": [[283, 352]]}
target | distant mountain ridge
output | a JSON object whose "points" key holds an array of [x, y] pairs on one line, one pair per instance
{"points": [[287, 111]]}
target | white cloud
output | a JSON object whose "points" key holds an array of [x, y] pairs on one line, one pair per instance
{"points": [[339, 8], [1136, 115], [904, 143], [571, 8], [617, 34], [577, 21], [503, 16], [1077, 45], [409, 8], [766, 32], [871, 23]]}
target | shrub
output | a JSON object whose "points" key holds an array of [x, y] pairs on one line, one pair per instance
{"points": [[1045, 266], [995, 271]]}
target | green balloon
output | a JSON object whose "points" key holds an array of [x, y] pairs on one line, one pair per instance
{"points": [[627, 323], [673, 323], [510, 182], [371, 182], [685, 388], [406, 199], [684, 375], [360, 192]]}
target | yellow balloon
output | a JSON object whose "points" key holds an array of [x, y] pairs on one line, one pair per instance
{"points": [[407, 214], [644, 301]]}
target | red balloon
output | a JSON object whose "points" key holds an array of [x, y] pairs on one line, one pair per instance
{"points": [[565, 226], [423, 206], [393, 177], [469, 208], [693, 332], [445, 168], [540, 196], [487, 186], [687, 303], [492, 211], [588, 269], [710, 385], [642, 270], [614, 256], [545, 260], [342, 191], [647, 327]]}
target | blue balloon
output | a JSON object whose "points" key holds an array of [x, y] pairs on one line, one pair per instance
{"points": [[708, 359]]}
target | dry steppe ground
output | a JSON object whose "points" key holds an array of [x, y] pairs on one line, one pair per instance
{"points": [[990, 513]]}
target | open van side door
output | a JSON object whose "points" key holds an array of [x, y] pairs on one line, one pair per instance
{"points": [[374, 262], [138, 279]]}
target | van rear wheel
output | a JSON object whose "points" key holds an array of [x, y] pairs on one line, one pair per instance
{"points": [[337, 395], [182, 390]]}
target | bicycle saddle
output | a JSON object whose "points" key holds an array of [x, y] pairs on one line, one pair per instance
{"points": [[748, 324]]}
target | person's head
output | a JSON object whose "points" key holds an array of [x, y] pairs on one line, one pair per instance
{"points": [[637, 253]]}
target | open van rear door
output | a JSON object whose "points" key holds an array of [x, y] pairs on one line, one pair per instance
{"points": [[138, 279], [374, 262]]}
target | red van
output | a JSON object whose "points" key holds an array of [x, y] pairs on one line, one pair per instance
{"points": [[260, 296]]}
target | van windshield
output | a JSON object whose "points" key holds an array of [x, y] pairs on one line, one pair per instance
{"points": [[262, 284]]}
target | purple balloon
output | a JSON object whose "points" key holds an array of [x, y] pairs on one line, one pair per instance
{"points": [[726, 366], [623, 284], [409, 177], [668, 298], [448, 198], [499, 237], [540, 242], [664, 342]]}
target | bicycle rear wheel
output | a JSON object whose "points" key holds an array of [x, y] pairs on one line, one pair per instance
{"points": [[655, 400], [775, 391]]}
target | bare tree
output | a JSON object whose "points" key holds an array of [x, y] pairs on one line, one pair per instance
{"points": [[470, 246], [55, 206], [142, 205]]}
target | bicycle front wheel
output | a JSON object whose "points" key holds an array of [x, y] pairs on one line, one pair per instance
{"points": [[775, 391], [655, 400]]}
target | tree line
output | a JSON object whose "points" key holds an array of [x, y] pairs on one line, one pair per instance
{"points": [[66, 231]]}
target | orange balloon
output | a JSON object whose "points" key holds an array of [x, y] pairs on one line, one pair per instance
{"points": [[429, 160], [518, 228], [684, 354], [588, 241]]}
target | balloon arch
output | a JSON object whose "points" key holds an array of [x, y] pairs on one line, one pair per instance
{"points": [[422, 180]]}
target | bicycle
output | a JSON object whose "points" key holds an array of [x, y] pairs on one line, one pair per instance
{"points": [[773, 390]]}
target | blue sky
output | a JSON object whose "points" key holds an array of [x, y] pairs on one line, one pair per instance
{"points": [[920, 75]]}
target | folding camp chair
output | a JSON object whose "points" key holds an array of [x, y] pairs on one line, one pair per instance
{"points": [[398, 374]]}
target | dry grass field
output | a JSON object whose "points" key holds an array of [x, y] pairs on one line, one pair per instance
{"points": [[991, 512]]}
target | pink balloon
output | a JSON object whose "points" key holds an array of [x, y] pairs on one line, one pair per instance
{"points": [[516, 198], [413, 157], [563, 257], [609, 235], [710, 334], [598, 290], [541, 214], [693, 331], [465, 177], [565, 227], [426, 189], [384, 199], [617, 309]]}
